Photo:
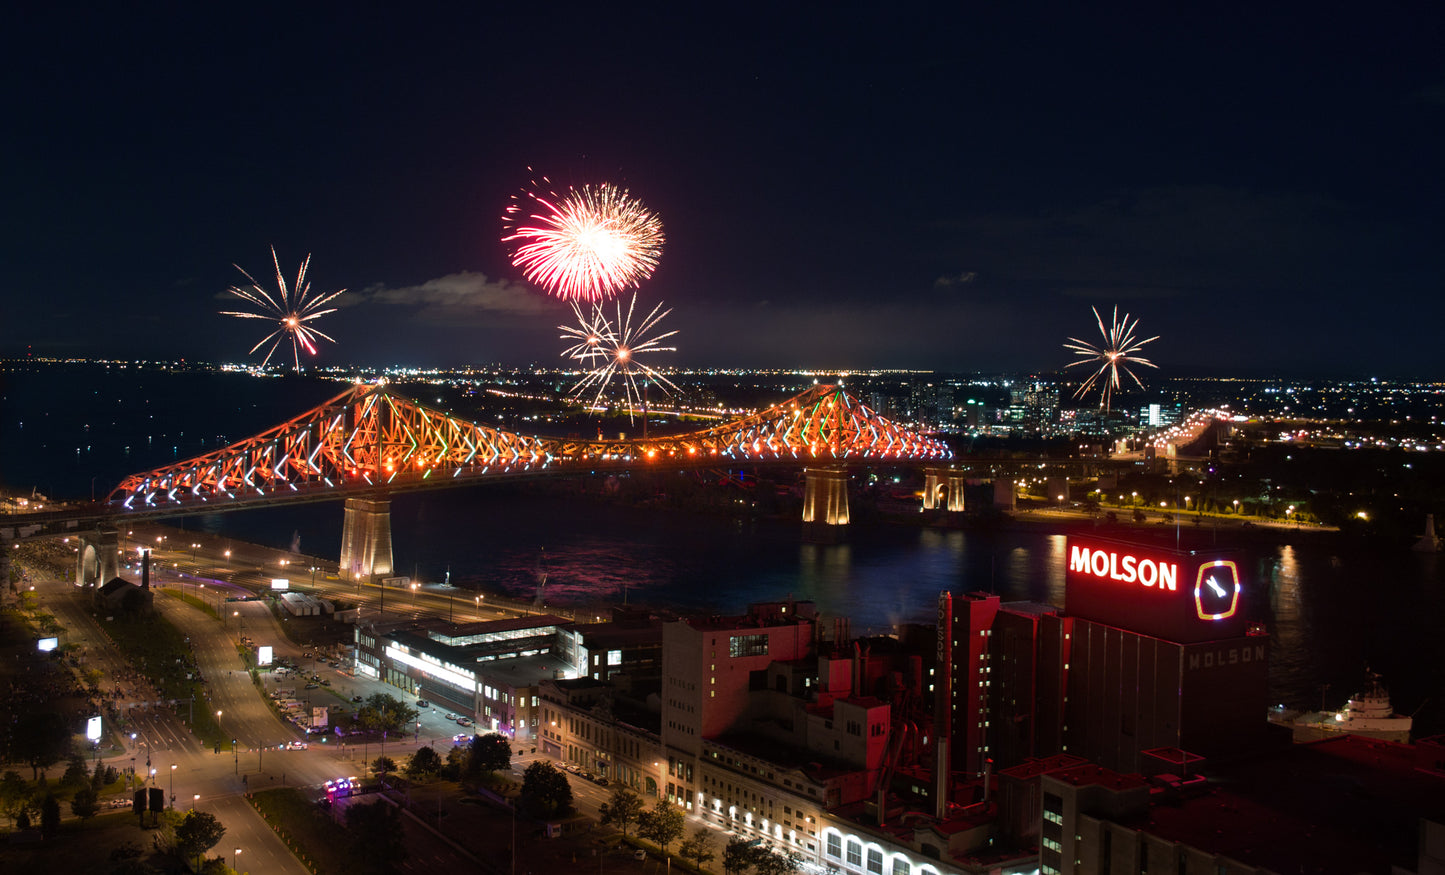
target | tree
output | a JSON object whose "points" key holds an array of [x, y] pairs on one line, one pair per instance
{"points": [[382, 766], [698, 849], [84, 804], [489, 753], [425, 763], [198, 832], [40, 739], [379, 843], [14, 796], [49, 815], [624, 808], [737, 856], [664, 824], [75, 772], [767, 862], [97, 778], [545, 790], [384, 713]]}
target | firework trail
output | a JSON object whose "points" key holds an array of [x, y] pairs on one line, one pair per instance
{"points": [[586, 246], [291, 307], [1115, 354], [611, 349]]}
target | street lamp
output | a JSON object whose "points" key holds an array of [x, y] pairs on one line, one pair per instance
{"points": [[236, 860], [173, 785], [195, 800]]}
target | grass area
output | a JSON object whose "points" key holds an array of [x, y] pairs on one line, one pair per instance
{"points": [[318, 841], [194, 602], [160, 651], [81, 847]]}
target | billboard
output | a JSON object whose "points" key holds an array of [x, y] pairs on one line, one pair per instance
{"points": [[280, 583], [1182, 596], [45, 645], [92, 729], [263, 654]]}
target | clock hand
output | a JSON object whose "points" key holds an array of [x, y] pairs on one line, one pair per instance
{"points": [[1214, 585]]}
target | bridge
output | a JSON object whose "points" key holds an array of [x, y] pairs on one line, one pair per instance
{"points": [[370, 442]]}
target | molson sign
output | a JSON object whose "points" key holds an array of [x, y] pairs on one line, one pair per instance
{"points": [[1176, 595]]}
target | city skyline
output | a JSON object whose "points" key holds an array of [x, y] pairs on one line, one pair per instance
{"points": [[941, 190]]}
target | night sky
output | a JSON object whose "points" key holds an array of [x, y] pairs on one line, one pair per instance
{"points": [[883, 185]]}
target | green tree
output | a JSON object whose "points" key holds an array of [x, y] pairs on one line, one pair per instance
{"points": [[698, 849], [379, 844], [84, 803], [737, 857], [40, 739], [766, 862], [425, 763], [623, 809], [75, 772], [545, 790], [383, 766], [664, 824], [198, 832], [14, 796], [97, 777], [384, 713], [49, 815], [489, 753]]}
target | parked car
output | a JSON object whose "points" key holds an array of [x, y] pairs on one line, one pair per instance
{"points": [[357, 699], [464, 721], [423, 703], [313, 686]]}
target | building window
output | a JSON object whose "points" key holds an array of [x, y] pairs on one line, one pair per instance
{"points": [[902, 866], [835, 845], [875, 861], [747, 645], [855, 852]]}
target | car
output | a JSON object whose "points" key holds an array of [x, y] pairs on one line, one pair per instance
{"points": [[357, 699], [313, 686], [464, 721], [326, 682], [423, 703], [462, 738], [639, 854], [451, 716], [295, 745]]}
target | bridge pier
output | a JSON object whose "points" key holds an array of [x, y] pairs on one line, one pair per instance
{"points": [[97, 561], [366, 539], [825, 496], [943, 489]]}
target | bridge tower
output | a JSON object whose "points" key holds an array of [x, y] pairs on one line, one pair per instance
{"points": [[943, 489], [97, 561], [825, 496], [366, 539]]}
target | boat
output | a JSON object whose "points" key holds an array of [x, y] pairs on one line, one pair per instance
{"points": [[1368, 714]]}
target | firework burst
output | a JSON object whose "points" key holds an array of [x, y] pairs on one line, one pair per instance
{"points": [[610, 349], [586, 246], [1115, 354], [292, 307]]}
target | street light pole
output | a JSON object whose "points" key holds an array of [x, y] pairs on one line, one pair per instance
{"points": [[173, 785]]}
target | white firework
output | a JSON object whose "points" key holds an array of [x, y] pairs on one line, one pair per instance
{"points": [[610, 348], [292, 307], [1115, 354]]}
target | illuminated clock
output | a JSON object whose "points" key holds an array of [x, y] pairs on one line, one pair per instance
{"points": [[1216, 590]]}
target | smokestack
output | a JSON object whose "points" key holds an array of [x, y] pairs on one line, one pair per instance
{"points": [[943, 706], [145, 570]]}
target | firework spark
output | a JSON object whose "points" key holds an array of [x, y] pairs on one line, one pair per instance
{"points": [[617, 345], [1115, 354], [292, 307], [586, 246]]}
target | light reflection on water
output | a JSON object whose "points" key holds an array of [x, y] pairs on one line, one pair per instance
{"points": [[1330, 612]]}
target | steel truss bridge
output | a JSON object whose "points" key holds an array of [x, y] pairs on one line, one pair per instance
{"points": [[370, 440]]}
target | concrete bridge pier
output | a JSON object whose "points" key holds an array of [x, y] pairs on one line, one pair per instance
{"points": [[825, 496], [366, 539], [943, 489], [97, 561]]}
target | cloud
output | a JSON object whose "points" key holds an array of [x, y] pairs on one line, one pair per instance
{"points": [[464, 298], [961, 279]]}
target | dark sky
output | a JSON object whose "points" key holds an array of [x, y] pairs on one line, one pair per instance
{"points": [[883, 185]]}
